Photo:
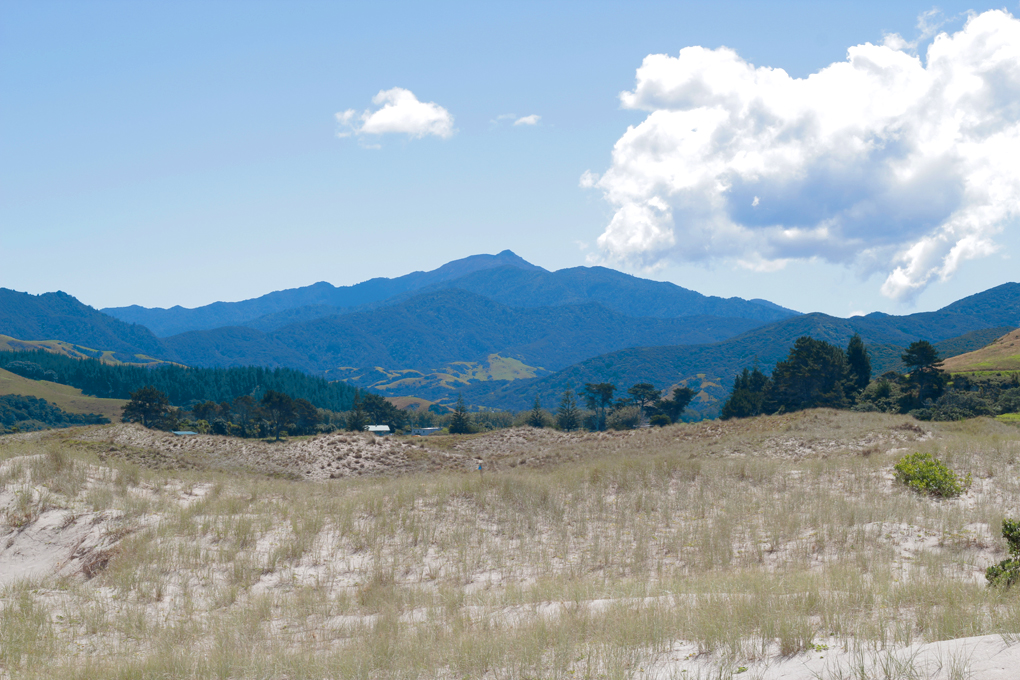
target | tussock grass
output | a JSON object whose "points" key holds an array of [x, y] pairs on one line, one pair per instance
{"points": [[744, 540]]}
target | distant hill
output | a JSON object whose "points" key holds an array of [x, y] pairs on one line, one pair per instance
{"points": [[59, 316], [1003, 354], [320, 296], [435, 329], [619, 292], [715, 365], [9, 344], [520, 287], [505, 278]]}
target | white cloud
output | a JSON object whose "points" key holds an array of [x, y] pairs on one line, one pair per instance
{"points": [[880, 161], [400, 112], [528, 120]]}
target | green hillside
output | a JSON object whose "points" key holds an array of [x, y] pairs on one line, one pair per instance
{"points": [[63, 396], [1003, 354]]}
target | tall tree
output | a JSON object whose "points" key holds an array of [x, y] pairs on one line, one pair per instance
{"points": [[536, 418], [306, 416], [925, 374], [567, 416], [380, 411], [357, 419], [246, 410], [206, 410], [150, 407], [643, 394], [599, 396], [674, 408], [460, 422], [811, 376], [278, 409], [858, 364], [748, 396]]}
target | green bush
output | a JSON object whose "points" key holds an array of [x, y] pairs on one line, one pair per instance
{"points": [[925, 474], [660, 420], [1007, 572]]}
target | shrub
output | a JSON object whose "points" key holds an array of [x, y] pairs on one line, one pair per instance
{"points": [[1007, 572], [660, 420], [626, 418], [925, 474]]}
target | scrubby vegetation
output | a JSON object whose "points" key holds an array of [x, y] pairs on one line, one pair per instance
{"points": [[1007, 572], [19, 413], [925, 474], [705, 548]]}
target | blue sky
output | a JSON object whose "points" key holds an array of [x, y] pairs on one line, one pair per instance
{"points": [[183, 153]]}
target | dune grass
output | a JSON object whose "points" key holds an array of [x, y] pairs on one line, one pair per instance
{"points": [[588, 568]]}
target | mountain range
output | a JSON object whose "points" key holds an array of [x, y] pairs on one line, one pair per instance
{"points": [[497, 328], [963, 326], [505, 278]]}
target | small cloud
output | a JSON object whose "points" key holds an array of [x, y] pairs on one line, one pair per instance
{"points": [[400, 113], [528, 120], [856, 313], [755, 202], [588, 179]]}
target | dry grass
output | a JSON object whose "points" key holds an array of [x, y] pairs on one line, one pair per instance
{"points": [[586, 555]]}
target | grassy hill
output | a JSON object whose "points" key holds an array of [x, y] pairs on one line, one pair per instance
{"points": [[9, 344], [63, 396], [1003, 354]]}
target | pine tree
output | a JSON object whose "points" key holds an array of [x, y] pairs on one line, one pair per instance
{"points": [[858, 364], [567, 416], [536, 418], [356, 419], [460, 422], [927, 378]]}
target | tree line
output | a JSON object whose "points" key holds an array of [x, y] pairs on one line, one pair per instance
{"points": [[817, 374], [183, 386], [19, 413], [277, 413]]}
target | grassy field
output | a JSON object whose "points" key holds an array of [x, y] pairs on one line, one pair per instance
{"points": [[699, 550], [1001, 355], [68, 398]]}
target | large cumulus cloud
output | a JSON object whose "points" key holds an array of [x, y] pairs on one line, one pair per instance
{"points": [[884, 162]]}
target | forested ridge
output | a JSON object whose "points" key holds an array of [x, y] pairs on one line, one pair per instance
{"points": [[180, 384]]}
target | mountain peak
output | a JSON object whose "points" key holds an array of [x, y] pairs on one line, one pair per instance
{"points": [[473, 263]]}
